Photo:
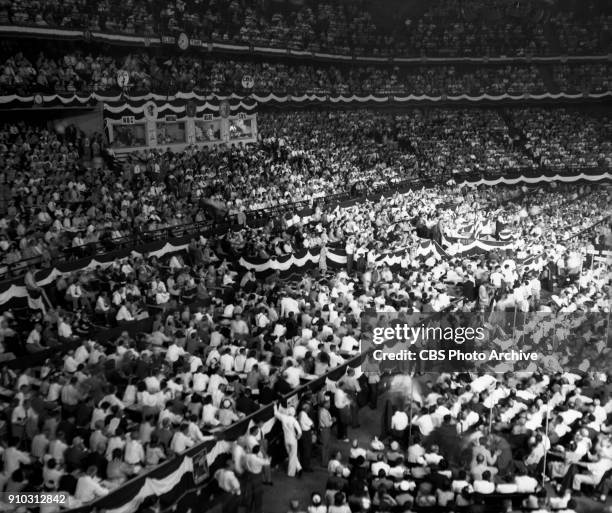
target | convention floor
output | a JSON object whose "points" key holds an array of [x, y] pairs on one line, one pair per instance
{"points": [[286, 489]]}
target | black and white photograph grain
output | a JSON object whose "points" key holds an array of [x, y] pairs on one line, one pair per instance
{"points": [[305, 256]]}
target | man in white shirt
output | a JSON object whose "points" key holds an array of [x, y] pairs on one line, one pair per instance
{"points": [[81, 353], [74, 294], [200, 380], [342, 403], [102, 304], [596, 470], [193, 430], [379, 465], [457, 485], [535, 288], [239, 327], [484, 485], [287, 305], [496, 277], [209, 413], [88, 487], [292, 431], [63, 328], [482, 383], [399, 423], [468, 419], [134, 451], [124, 314], [13, 458], [70, 363], [525, 483], [506, 486], [33, 342], [509, 277], [349, 344], [292, 375], [424, 422], [174, 352], [227, 480], [181, 441], [433, 457], [479, 467], [334, 358], [226, 361]]}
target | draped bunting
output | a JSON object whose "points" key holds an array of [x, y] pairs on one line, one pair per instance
{"points": [[82, 99], [336, 257], [455, 246], [596, 176], [285, 264], [17, 289], [505, 234], [157, 486], [476, 247], [177, 107], [534, 263]]}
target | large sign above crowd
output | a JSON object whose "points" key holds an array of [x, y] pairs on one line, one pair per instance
{"points": [[161, 124]]}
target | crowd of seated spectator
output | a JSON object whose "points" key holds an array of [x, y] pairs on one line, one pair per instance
{"points": [[85, 72], [104, 412], [582, 33], [223, 341], [565, 138], [462, 140], [202, 340], [456, 452], [582, 78], [47, 212], [393, 224], [74, 210], [315, 26], [474, 28], [440, 452]]}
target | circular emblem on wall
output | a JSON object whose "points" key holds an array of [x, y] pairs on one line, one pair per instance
{"points": [[190, 109], [224, 109], [150, 110], [248, 82], [38, 99], [123, 78], [183, 41]]}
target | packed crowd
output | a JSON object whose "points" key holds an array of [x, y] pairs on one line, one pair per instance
{"points": [[477, 28], [581, 78], [462, 441], [474, 28], [456, 443], [72, 210], [368, 230], [214, 342], [79, 71], [562, 138], [116, 368], [582, 33], [219, 342]]}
